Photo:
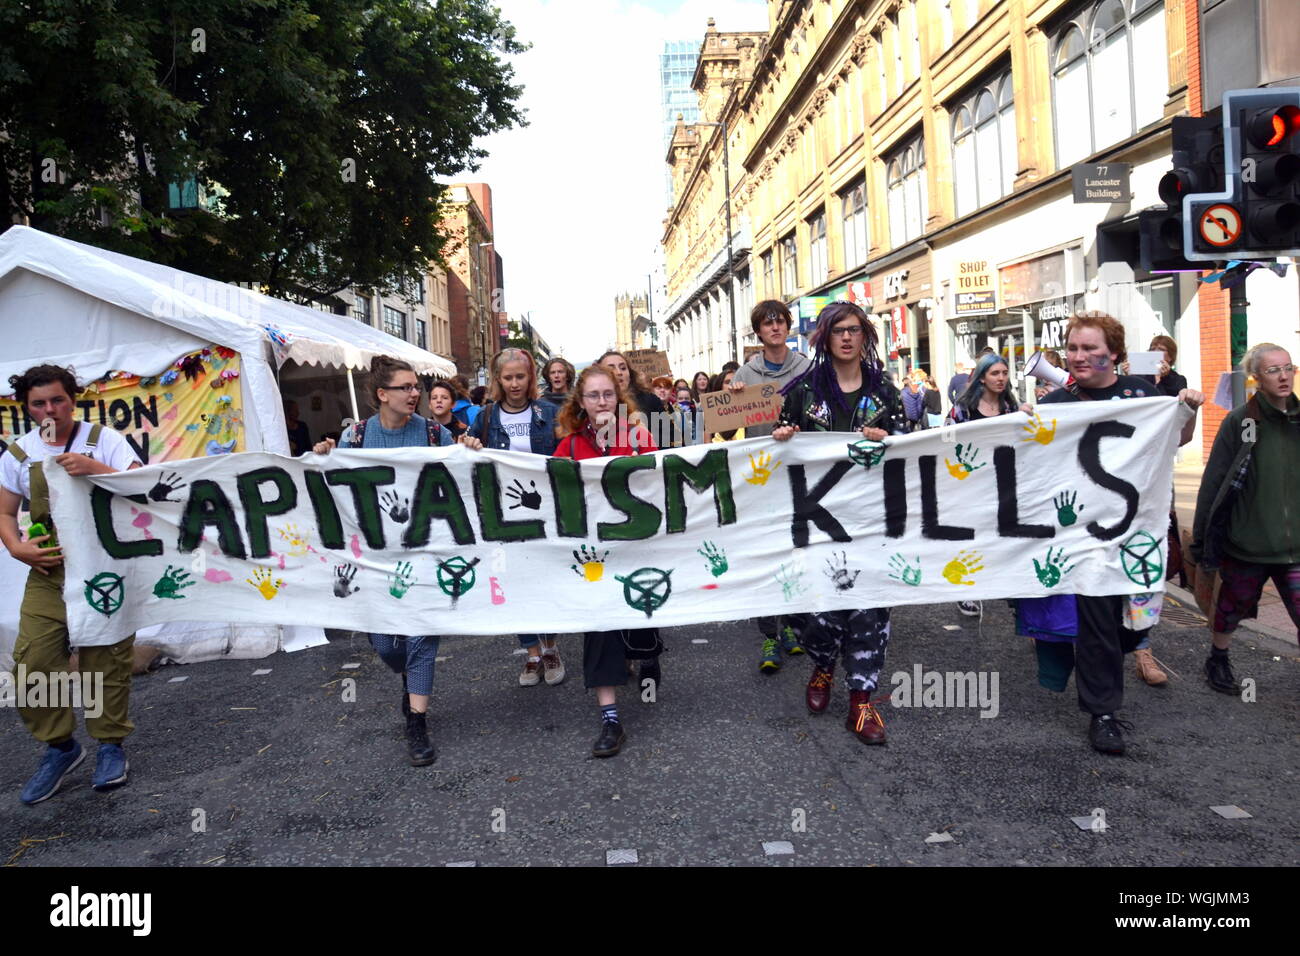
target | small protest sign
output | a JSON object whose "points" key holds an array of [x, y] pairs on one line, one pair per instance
{"points": [[753, 405]]}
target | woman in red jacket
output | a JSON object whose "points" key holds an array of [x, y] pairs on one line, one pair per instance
{"points": [[592, 427]]}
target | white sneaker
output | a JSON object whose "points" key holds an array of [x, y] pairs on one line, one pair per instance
{"points": [[531, 675], [552, 666], [970, 608]]}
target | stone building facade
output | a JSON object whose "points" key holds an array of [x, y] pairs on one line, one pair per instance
{"points": [[883, 151]]}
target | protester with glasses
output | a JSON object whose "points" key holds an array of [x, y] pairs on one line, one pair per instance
{"points": [[1247, 524], [845, 390], [592, 428], [396, 393]]}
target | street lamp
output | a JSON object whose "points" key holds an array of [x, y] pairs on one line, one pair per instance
{"points": [[731, 269]]}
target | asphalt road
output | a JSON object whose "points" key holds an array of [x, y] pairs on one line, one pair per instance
{"points": [[286, 772]]}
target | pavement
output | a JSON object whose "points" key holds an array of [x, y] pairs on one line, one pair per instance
{"points": [[229, 768]]}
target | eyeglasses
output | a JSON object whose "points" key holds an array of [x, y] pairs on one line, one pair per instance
{"points": [[400, 388], [1278, 370], [599, 396], [851, 331]]}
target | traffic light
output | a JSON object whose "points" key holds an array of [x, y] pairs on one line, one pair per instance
{"points": [[1160, 241], [1197, 147], [1197, 144], [1256, 213], [1270, 169]]}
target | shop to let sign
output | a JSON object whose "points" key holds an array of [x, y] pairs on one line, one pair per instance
{"points": [[975, 294]]}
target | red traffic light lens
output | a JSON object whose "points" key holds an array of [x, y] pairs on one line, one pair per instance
{"points": [[1267, 129]]}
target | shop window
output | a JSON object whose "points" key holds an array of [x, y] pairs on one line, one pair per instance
{"points": [[1109, 75]]}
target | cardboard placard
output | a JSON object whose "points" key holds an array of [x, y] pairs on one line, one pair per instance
{"points": [[649, 364], [753, 405]]}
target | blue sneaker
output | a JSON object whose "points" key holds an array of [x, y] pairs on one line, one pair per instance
{"points": [[55, 765], [110, 767]]}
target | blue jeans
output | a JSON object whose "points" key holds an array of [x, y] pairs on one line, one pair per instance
{"points": [[529, 640], [415, 655]]}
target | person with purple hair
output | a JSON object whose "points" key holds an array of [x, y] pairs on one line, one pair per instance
{"points": [[845, 390]]}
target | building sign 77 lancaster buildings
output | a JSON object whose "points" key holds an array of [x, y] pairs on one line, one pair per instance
{"points": [[1101, 182]]}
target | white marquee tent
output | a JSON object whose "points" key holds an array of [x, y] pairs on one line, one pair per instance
{"points": [[72, 304]]}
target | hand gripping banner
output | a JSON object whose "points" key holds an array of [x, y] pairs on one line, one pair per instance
{"points": [[453, 541]]}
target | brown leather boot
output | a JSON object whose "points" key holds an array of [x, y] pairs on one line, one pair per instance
{"points": [[818, 694], [864, 721], [1147, 668]]}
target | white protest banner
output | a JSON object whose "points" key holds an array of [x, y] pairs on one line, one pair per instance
{"points": [[451, 541], [754, 405]]}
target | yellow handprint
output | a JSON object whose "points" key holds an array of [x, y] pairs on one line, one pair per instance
{"points": [[593, 564], [267, 587], [965, 463], [966, 562], [763, 468], [299, 542], [1038, 431]]}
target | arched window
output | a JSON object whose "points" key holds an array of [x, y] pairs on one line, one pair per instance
{"points": [[1007, 135], [905, 192], [983, 145], [1113, 83], [853, 207]]}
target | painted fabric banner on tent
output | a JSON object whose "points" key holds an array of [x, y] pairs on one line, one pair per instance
{"points": [[452, 541], [192, 410]]}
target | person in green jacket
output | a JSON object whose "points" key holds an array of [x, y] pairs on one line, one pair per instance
{"points": [[1247, 524]]}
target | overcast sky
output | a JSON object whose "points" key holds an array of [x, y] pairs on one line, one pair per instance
{"points": [[578, 195]]}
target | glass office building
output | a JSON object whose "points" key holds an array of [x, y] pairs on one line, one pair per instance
{"points": [[676, 68]]}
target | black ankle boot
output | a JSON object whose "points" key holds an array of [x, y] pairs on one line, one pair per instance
{"points": [[417, 741], [610, 740]]}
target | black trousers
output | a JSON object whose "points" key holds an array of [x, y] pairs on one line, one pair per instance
{"points": [[1099, 654], [605, 654]]}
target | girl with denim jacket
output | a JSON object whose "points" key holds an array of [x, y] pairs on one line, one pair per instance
{"points": [[516, 419]]}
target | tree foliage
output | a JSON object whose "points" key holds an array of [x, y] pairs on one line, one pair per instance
{"points": [[317, 130]]}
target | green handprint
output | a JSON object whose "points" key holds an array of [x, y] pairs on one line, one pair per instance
{"points": [[1050, 574], [171, 583], [867, 453], [400, 579], [1065, 509], [905, 572], [965, 463], [717, 558]]}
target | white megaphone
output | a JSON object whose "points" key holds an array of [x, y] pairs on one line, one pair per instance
{"points": [[1040, 368]]}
